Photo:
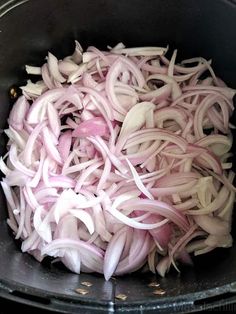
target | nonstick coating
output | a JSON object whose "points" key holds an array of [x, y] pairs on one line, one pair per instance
{"points": [[28, 29]]}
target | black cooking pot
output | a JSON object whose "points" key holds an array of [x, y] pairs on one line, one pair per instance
{"points": [[28, 29]]}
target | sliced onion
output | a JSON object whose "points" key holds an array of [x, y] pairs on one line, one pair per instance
{"points": [[120, 157]]}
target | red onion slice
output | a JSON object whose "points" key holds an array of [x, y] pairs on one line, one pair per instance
{"points": [[120, 157]]}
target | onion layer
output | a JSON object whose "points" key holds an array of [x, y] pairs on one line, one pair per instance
{"points": [[120, 157]]}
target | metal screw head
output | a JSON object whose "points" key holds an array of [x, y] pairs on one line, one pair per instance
{"points": [[159, 291], [154, 284], [86, 284], [121, 297], [81, 291]]}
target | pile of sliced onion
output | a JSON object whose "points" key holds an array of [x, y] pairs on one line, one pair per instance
{"points": [[120, 158]]}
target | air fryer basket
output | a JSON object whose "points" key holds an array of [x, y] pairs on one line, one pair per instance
{"points": [[28, 29]]}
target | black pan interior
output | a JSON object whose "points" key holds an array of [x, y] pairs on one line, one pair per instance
{"points": [[28, 29]]}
